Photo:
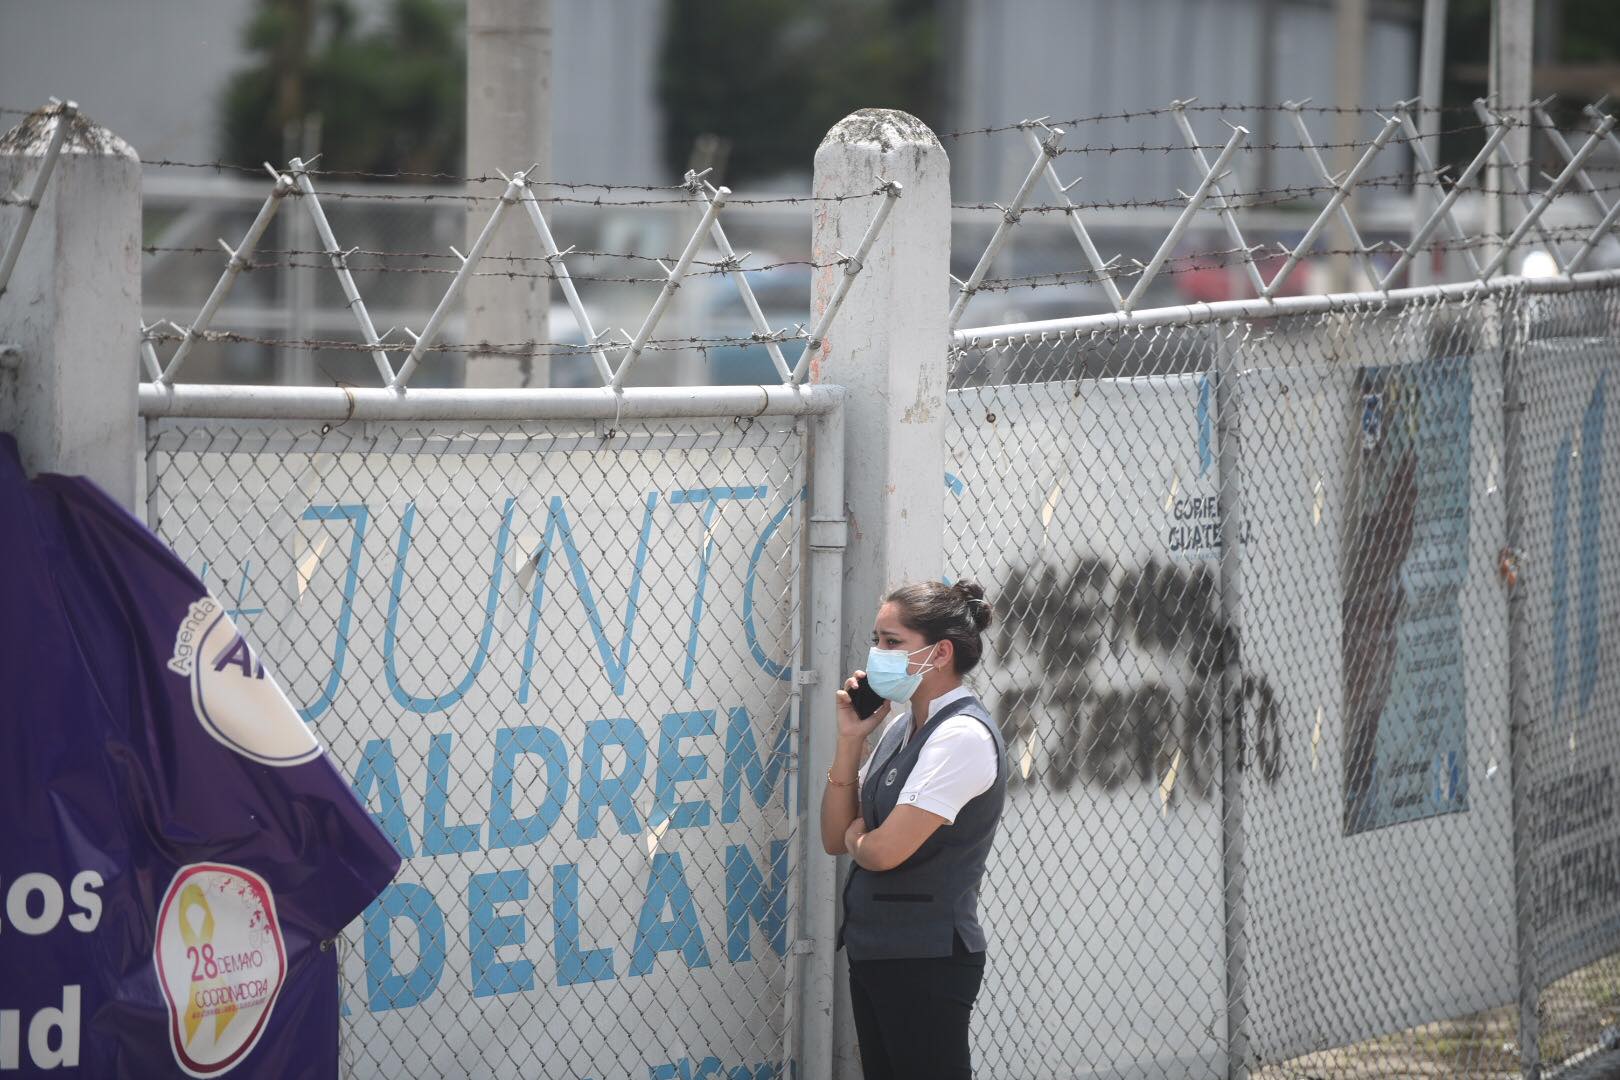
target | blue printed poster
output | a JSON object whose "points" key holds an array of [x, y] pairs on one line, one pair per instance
{"points": [[1405, 560]]}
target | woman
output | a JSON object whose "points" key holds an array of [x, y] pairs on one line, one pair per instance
{"points": [[917, 819]]}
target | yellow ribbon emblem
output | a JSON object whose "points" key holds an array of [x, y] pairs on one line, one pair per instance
{"points": [[200, 951]]}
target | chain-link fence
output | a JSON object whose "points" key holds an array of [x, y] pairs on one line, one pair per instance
{"points": [[1301, 663], [556, 661], [1299, 658]]}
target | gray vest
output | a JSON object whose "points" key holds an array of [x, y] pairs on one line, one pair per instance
{"points": [[915, 909]]}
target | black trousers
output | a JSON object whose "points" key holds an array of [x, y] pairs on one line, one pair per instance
{"points": [[911, 1016]]}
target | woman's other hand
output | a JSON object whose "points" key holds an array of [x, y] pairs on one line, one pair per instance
{"points": [[856, 830]]}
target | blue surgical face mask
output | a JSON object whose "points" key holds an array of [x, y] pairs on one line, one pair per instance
{"points": [[889, 672]]}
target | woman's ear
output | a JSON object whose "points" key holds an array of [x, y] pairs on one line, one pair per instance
{"points": [[945, 653]]}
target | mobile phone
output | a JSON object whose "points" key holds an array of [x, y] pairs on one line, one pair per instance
{"points": [[865, 699]]}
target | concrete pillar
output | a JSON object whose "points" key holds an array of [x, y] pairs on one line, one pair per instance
{"points": [[1513, 26], [72, 310], [508, 128], [1431, 90], [1350, 22], [888, 346]]}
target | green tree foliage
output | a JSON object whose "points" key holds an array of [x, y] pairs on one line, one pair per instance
{"points": [[1586, 32], [1591, 31], [771, 76], [384, 99]]}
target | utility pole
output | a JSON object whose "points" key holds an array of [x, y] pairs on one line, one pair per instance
{"points": [[300, 137], [1266, 93], [1431, 92], [508, 128], [1512, 39], [1350, 74], [1513, 24]]}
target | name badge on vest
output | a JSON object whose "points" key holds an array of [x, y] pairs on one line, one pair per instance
{"points": [[888, 781]]}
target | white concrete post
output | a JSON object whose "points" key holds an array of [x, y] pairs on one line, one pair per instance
{"points": [[888, 347], [508, 128], [70, 317], [1349, 82], [1513, 24], [1431, 86]]}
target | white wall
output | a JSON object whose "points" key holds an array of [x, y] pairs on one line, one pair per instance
{"points": [[1069, 58]]}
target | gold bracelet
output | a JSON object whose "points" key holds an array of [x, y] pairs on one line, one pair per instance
{"points": [[838, 783]]}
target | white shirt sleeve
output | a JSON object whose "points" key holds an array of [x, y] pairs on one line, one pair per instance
{"points": [[958, 763]]}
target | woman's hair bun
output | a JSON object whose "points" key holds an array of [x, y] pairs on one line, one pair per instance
{"points": [[978, 607], [935, 609]]}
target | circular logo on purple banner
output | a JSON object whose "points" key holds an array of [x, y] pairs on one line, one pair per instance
{"points": [[236, 700]]}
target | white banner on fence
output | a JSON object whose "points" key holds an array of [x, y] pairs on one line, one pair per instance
{"points": [[557, 673], [1088, 511], [1572, 458], [1377, 907]]}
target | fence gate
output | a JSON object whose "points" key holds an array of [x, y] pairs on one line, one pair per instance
{"points": [[557, 658]]}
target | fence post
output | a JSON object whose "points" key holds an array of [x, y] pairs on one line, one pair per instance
{"points": [[889, 350], [1234, 700], [71, 314], [1511, 319], [509, 45], [1510, 87]]}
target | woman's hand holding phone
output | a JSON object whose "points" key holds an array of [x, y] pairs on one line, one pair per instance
{"points": [[860, 708]]}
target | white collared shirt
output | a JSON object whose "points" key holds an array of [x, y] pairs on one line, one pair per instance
{"points": [[956, 764]]}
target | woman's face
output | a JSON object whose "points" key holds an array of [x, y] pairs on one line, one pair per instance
{"points": [[888, 632]]}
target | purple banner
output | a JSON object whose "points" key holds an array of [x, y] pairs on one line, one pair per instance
{"points": [[179, 852]]}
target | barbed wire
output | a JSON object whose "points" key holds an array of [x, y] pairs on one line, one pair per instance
{"points": [[679, 193], [1250, 148], [402, 174], [1403, 179], [1192, 107], [322, 261], [1261, 197], [719, 265], [251, 264], [1190, 262], [1090, 148], [1262, 254], [161, 333], [1185, 263], [1250, 199], [457, 196]]}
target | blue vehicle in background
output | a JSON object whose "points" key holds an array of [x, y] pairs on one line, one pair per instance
{"points": [[783, 293], [716, 312]]}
